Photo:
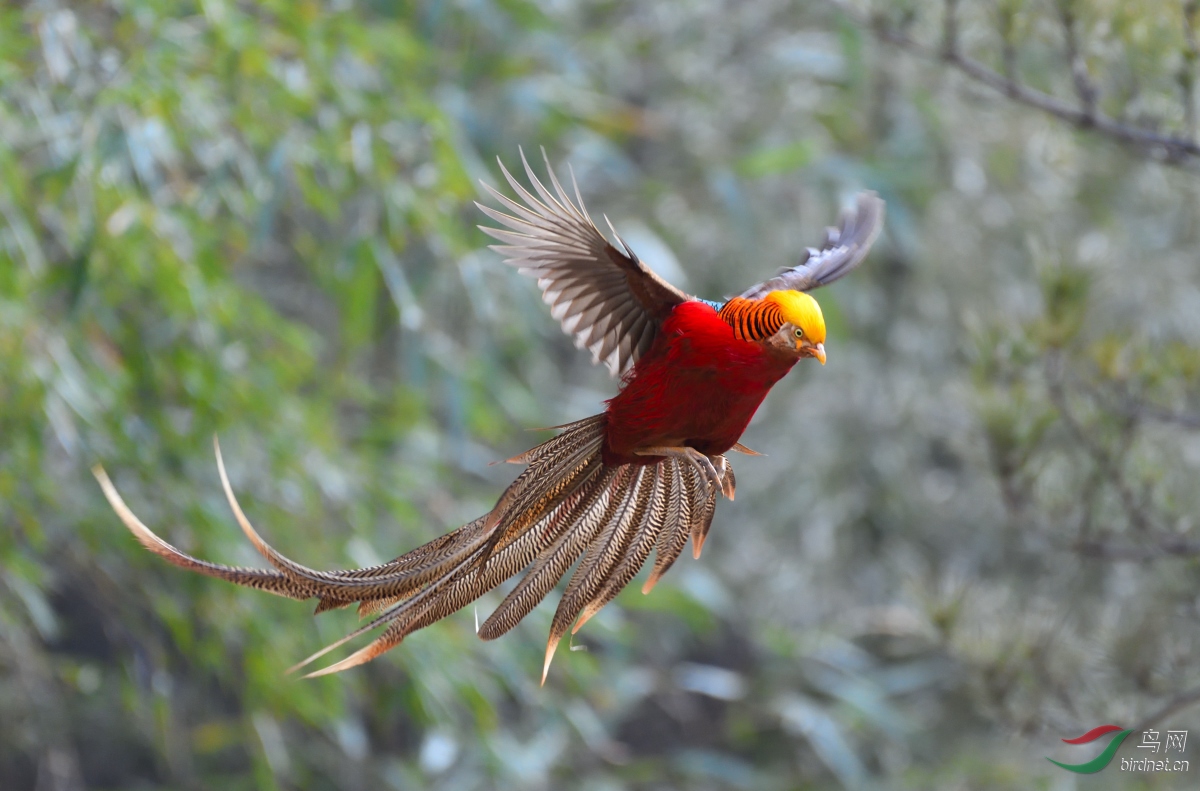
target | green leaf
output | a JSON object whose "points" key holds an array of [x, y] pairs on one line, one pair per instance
{"points": [[775, 160]]}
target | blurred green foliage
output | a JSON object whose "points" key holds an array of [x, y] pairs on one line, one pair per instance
{"points": [[974, 532]]}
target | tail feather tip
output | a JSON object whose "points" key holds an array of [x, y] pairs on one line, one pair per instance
{"points": [[551, 647]]}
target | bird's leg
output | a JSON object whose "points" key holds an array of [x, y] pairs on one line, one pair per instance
{"points": [[712, 477], [728, 484]]}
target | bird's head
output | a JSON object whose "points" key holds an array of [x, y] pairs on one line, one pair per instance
{"points": [[803, 330]]}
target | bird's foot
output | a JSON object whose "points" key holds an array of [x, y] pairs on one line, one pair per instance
{"points": [[728, 482], [711, 468]]}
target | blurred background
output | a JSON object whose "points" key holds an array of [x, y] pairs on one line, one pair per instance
{"points": [[974, 532]]}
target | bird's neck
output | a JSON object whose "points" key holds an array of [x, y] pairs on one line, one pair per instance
{"points": [[751, 319]]}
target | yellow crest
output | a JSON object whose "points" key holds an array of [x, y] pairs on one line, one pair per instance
{"points": [[802, 310]]}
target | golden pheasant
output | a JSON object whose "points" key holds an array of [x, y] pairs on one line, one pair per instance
{"points": [[641, 477]]}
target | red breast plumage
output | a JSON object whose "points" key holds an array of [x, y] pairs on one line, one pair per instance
{"points": [[697, 386]]}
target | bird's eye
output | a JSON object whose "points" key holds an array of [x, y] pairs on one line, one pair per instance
{"points": [[799, 333]]}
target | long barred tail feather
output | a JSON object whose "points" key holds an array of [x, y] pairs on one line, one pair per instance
{"points": [[602, 556], [567, 508], [642, 544], [267, 580], [554, 560], [679, 523]]}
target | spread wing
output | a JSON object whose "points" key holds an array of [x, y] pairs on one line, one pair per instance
{"points": [[845, 247], [608, 299]]}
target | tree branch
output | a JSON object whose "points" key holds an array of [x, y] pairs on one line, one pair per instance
{"points": [[950, 30], [1169, 546], [1120, 402], [1171, 148], [1084, 89], [1172, 707], [1104, 461], [1187, 71]]}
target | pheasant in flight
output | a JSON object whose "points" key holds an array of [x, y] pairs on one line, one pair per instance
{"points": [[641, 477]]}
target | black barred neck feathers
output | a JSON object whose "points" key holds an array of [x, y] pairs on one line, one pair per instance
{"points": [[759, 319]]}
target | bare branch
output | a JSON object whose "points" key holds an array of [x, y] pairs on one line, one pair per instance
{"points": [[1084, 89], [1167, 546], [1127, 406], [1104, 460], [950, 30], [1008, 51], [1164, 416], [1170, 148], [1187, 70], [1172, 707], [1118, 400]]}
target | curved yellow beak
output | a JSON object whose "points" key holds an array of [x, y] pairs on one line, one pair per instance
{"points": [[818, 351]]}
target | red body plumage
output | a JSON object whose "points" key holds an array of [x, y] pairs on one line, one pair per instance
{"points": [[698, 386]]}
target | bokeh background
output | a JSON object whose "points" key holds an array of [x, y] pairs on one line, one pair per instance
{"points": [[974, 532]]}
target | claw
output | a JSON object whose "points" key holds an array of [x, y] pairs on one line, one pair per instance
{"points": [[709, 471], [713, 480], [728, 484]]}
